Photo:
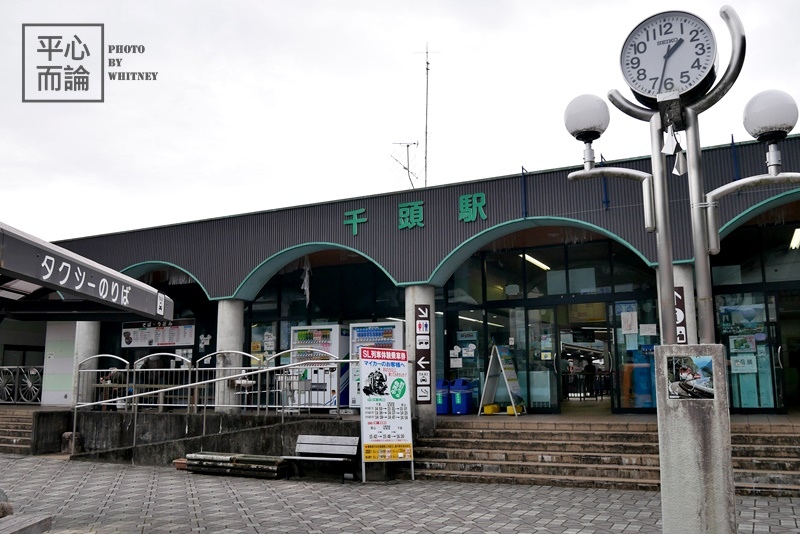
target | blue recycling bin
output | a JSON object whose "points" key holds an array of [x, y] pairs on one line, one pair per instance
{"points": [[442, 397], [460, 396]]}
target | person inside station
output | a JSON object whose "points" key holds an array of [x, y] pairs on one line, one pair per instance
{"points": [[589, 372], [566, 369]]}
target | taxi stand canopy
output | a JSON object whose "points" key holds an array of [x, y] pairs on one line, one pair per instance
{"points": [[87, 290]]}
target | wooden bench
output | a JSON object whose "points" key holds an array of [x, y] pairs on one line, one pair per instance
{"points": [[341, 449]]}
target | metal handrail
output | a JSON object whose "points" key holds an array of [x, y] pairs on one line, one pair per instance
{"points": [[332, 359]]}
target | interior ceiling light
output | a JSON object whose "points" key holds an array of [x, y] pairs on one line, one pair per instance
{"points": [[531, 259], [470, 319], [795, 243]]}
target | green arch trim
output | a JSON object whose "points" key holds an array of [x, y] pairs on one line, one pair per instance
{"points": [[143, 267], [249, 288], [456, 257], [252, 284], [754, 211]]}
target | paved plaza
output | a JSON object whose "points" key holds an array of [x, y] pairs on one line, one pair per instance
{"points": [[96, 497]]}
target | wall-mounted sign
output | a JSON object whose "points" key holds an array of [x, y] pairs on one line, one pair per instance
{"points": [[422, 352], [177, 333]]}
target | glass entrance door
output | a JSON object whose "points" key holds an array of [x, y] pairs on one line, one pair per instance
{"points": [[785, 307], [542, 376], [748, 332]]}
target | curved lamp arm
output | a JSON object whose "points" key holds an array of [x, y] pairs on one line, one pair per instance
{"points": [[738, 49], [712, 207], [628, 174], [628, 107]]}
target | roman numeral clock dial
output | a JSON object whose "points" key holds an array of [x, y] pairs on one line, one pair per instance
{"points": [[671, 52]]}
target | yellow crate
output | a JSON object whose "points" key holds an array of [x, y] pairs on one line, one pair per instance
{"points": [[510, 409], [490, 409]]}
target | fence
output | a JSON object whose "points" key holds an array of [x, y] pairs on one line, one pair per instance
{"points": [[21, 385], [169, 382]]}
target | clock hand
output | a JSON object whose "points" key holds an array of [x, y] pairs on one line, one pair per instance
{"points": [[670, 50], [663, 70]]}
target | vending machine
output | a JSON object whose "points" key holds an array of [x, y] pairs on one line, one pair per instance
{"points": [[316, 386], [388, 335]]}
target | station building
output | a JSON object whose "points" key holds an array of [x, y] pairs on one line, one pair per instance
{"points": [[531, 261]]}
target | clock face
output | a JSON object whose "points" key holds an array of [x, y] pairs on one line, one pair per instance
{"points": [[672, 52]]}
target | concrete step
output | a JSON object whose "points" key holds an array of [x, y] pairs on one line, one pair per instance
{"points": [[553, 470], [548, 435], [25, 524], [15, 449], [766, 439], [533, 479], [765, 451], [583, 458], [540, 445], [766, 477], [24, 440], [12, 419], [15, 432], [767, 490], [785, 464], [16, 426], [532, 424]]}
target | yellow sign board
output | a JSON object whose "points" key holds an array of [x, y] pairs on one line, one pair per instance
{"points": [[387, 452]]}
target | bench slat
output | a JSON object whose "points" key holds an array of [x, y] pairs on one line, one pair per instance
{"points": [[317, 458], [327, 440], [326, 449]]}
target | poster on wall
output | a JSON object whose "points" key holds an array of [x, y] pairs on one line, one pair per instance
{"points": [[743, 364], [385, 406], [742, 343], [690, 377], [177, 333]]}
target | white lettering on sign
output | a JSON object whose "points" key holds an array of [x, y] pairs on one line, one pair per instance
{"points": [[114, 289]]}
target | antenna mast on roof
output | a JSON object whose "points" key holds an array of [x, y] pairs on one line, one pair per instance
{"points": [[408, 162], [427, 70]]}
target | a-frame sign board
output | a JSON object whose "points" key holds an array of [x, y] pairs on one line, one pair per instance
{"points": [[502, 364]]}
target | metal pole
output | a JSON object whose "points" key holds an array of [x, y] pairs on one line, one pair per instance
{"points": [[666, 279], [702, 267]]}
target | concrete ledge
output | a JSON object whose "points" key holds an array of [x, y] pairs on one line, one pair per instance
{"points": [[25, 524]]}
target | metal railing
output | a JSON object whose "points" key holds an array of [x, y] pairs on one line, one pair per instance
{"points": [[21, 384], [286, 389]]}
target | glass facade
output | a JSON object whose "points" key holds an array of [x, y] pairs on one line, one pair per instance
{"points": [[584, 321], [756, 280]]}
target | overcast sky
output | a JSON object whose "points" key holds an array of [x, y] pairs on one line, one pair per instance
{"points": [[267, 104]]}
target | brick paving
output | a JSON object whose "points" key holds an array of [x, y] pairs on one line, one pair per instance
{"points": [[111, 498]]}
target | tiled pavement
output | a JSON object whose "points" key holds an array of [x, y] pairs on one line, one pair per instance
{"points": [[95, 497]]}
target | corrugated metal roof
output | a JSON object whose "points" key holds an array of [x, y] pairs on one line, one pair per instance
{"points": [[242, 252]]}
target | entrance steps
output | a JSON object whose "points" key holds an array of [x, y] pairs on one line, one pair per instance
{"points": [[16, 430], [608, 455]]}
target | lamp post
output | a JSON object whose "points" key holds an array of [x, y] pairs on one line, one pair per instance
{"points": [[669, 62], [676, 108], [769, 117], [586, 119]]}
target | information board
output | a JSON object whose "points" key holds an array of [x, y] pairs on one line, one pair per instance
{"points": [[177, 333], [385, 406]]}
